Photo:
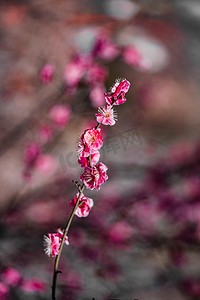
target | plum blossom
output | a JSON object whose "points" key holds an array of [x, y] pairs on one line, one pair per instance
{"points": [[47, 72], [83, 209], [60, 114], [84, 161], [95, 176], [91, 141], [89, 145], [120, 86], [106, 115], [118, 91], [52, 243]]}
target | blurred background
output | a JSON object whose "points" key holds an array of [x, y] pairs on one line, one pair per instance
{"points": [[141, 239]]}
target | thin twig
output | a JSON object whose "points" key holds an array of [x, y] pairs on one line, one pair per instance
{"points": [[56, 271]]}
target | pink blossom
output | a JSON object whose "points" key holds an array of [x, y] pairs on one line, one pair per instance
{"points": [[3, 290], [118, 91], [105, 48], [11, 276], [132, 56], [47, 73], [111, 100], [120, 86], [95, 176], [52, 243], [91, 141], [97, 95], [60, 114], [83, 209], [106, 115], [33, 285], [84, 161]]}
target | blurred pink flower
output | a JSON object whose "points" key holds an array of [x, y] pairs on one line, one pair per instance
{"points": [[73, 73], [132, 56], [83, 209], [147, 215], [47, 72], [97, 95], [76, 69], [4, 289], [95, 176], [106, 115], [60, 114], [31, 154], [11, 276], [120, 232], [105, 49], [45, 164], [45, 134], [33, 285], [96, 74]]}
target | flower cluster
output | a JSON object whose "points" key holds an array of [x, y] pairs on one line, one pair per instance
{"points": [[52, 243], [91, 140], [94, 173], [88, 69], [117, 94]]}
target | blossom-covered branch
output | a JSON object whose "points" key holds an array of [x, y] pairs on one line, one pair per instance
{"points": [[94, 173]]}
